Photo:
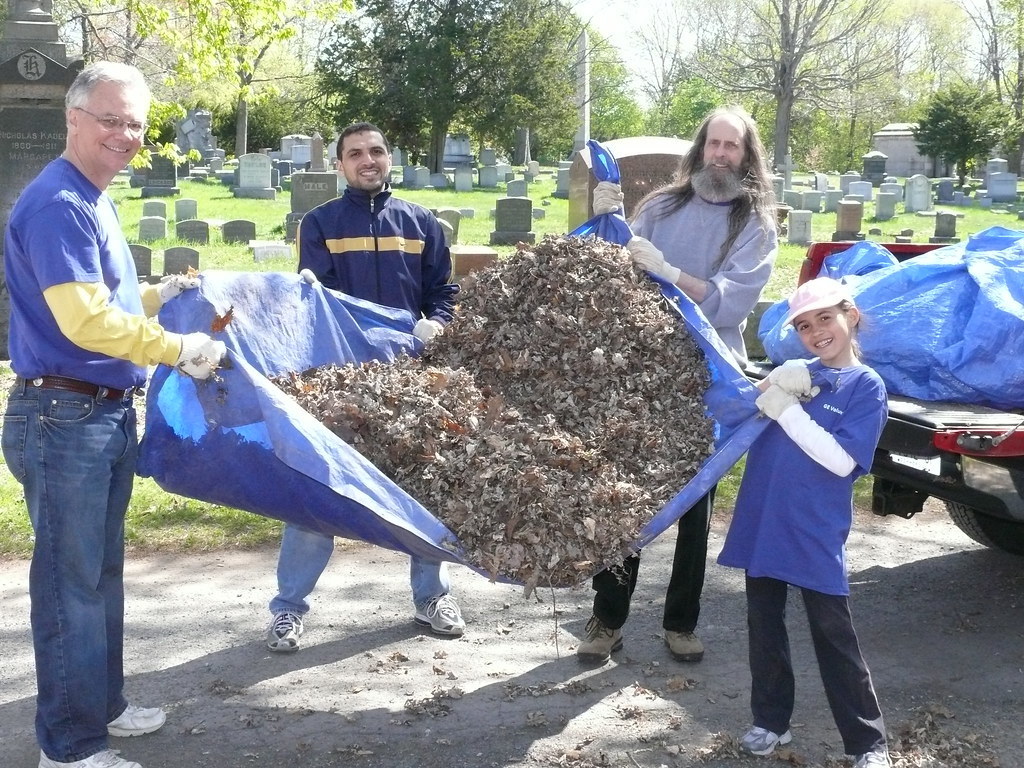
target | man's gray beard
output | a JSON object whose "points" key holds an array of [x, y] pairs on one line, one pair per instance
{"points": [[717, 187]]}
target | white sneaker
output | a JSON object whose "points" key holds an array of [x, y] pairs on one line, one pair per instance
{"points": [[135, 721], [106, 759], [442, 615], [877, 758], [284, 633], [761, 741]]}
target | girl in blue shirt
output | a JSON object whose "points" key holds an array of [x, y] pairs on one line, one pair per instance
{"points": [[792, 518]]}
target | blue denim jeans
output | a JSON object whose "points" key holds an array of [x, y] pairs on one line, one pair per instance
{"points": [[75, 458], [304, 555]]}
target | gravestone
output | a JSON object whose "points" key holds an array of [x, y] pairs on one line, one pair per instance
{"points": [[488, 176], [177, 260], [779, 188], [310, 189], [162, 178], [464, 179], [849, 215], [919, 194], [264, 250], [422, 177], [453, 217], [821, 182], [238, 231], [944, 191], [995, 165], [862, 188], [894, 188], [517, 188], [645, 163], [154, 208], [142, 255], [982, 199], [791, 197], [832, 198], [785, 169], [1002, 187], [397, 160], [152, 228], [446, 232], [254, 177], [488, 156], [945, 228], [186, 208], [196, 132], [469, 258], [288, 144], [885, 206], [284, 168], [439, 181], [316, 154], [532, 170], [513, 220], [874, 166], [810, 200], [799, 227], [846, 179], [193, 231], [562, 183]]}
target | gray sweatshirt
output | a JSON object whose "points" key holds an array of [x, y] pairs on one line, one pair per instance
{"points": [[691, 239]]}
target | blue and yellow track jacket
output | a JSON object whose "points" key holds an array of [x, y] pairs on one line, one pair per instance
{"points": [[382, 249]]}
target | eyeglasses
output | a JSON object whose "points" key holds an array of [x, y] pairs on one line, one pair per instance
{"points": [[114, 123]]}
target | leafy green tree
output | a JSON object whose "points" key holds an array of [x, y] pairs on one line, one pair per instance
{"points": [[684, 108], [961, 124], [417, 67]]}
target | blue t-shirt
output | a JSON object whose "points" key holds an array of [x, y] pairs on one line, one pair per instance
{"points": [[63, 229], [792, 515]]}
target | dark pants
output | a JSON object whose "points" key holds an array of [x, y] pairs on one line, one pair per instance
{"points": [[614, 586], [846, 678]]}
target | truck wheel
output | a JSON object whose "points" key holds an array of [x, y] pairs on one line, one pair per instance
{"points": [[987, 530]]}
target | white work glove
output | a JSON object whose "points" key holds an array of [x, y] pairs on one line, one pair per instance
{"points": [[425, 330], [308, 276], [646, 256], [173, 285], [793, 377], [774, 400], [607, 197], [200, 355]]}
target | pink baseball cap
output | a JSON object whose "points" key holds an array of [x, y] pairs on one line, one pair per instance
{"points": [[819, 293]]}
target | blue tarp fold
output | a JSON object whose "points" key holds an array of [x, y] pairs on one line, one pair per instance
{"points": [[945, 325]]}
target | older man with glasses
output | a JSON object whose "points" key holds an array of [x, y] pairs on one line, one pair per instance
{"points": [[80, 342]]}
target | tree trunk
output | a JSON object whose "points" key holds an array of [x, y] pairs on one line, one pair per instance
{"points": [[435, 152], [241, 127], [783, 117]]}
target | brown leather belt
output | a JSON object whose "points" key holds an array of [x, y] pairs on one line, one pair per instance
{"points": [[82, 387]]}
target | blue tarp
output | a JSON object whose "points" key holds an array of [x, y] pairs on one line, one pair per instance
{"points": [[945, 325], [241, 442]]}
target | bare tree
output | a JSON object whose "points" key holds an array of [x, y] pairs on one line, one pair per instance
{"points": [[795, 51]]}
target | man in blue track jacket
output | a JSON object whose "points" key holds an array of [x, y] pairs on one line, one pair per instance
{"points": [[377, 247]]}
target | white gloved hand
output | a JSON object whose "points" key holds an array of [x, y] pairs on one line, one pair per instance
{"points": [[646, 256], [425, 330], [173, 285], [793, 377], [607, 197], [308, 276], [774, 400], [200, 355]]}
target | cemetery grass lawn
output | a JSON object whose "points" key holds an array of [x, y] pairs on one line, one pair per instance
{"points": [[161, 521]]}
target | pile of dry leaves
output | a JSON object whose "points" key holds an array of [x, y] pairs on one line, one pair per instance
{"points": [[547, 425]]}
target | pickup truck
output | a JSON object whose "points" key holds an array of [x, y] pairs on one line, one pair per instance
{"points": [[969, 457]]}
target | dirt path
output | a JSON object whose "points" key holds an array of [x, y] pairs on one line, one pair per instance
{"points": [[940, 620]]}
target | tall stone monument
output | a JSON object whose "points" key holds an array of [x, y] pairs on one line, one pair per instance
{"points": [[34, 78]]}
